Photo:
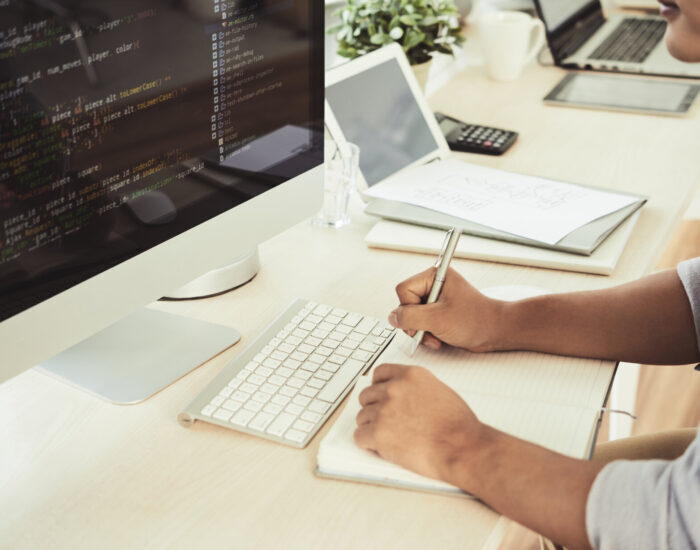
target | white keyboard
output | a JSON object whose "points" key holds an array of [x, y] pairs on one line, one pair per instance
{"points": [[291, 378]]}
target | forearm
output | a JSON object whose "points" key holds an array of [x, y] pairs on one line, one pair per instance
{"points": [[538, 488], [647, 321]]}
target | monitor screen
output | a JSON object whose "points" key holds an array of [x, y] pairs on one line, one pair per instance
{"points": [[377, 110], [126, 123], [556, 12]]}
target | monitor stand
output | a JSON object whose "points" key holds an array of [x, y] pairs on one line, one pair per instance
{"points": [[240, 271], [138, 356], [143, 353]]}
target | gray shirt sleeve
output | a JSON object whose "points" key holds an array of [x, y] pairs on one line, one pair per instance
{"points": [[651, 504]]}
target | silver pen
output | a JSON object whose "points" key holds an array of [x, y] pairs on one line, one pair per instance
{"points": [[442, 264]]}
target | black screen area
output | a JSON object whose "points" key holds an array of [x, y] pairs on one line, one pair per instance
{"points": [[119, 120]]}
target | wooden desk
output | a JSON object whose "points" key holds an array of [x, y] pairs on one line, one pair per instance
{"points": [[76, 472]]}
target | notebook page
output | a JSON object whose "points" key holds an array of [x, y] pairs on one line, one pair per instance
{"points": [[531, 376], [564, 429]]}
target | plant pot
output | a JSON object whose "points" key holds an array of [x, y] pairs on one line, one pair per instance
{"points": [[422, 71]]}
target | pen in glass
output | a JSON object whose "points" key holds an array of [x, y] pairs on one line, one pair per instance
{"points": [[442, 264]]}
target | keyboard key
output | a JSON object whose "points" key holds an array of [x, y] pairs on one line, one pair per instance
{"points": [[301, 400], [318, 406], [281, 424], [276, 380], [309, 366], [272, 408], [294, 409], [306, 325], [281, 400], [352, 319], [340, 381], [324, 325], [208, 410], [253, 406], [367, 346], [242, 375], [226, 391], [293, 340], [292, 363], [316, 383], [271, 363], [295, 382], [232, 405], [295, 435], [339, 312], [314, 318], [222, 414], [264, 371], [218, 400], [240, 396], [284, 372], [303, 425], [322, 310], [249, 388], [233, 384], [278, 355], [288, 391], [343, 351], [285, 347], [298, 356], [261, 421], [304, 374], [253, 381], [361, 355], [312, 341], [242, 417], [324, 375], [308, 392], [311, 416], [261, 397], [306, 348], [317, 358], [333, 319]]}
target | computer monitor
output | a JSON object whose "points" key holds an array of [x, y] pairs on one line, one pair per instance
{"points": [[142, 144]]}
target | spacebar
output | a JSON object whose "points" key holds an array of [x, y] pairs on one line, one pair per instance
{"points": [[340, 381]]}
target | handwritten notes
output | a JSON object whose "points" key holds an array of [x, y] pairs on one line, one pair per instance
{"points": [[528, 206]]}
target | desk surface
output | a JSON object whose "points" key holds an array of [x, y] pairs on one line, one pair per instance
{"points": [[76, 472]]}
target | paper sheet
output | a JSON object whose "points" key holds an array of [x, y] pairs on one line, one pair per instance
{"points": [[537, 208]]}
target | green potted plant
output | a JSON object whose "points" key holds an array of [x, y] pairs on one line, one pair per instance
{"points": [[421, 27]]}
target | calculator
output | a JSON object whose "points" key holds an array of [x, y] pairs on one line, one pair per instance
{"points": [[473, 138]]}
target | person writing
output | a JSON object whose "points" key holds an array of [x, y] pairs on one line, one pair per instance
{"points": [[409, 417]]}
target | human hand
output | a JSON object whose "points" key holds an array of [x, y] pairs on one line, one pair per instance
{"points": [[411, 418], [462, 316]]}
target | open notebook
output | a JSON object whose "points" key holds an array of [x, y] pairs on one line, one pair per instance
{"points": [[550, 400]]}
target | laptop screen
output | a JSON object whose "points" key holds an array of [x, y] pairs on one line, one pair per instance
{"points": [[377, 111], [556, 12]]}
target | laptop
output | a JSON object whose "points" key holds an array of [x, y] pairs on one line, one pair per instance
{"points": [[580, 37], [376, 102]]}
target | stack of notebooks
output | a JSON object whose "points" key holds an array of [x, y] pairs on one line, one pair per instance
{"points": [[550, 400], [509, 218]]}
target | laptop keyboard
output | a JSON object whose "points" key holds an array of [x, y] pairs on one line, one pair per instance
{"points": [[632, 40]]}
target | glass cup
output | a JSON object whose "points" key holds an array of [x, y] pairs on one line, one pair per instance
{"points": [[341, 163]]}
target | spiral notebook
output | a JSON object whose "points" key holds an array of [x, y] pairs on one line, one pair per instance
{"points": [[550, 400]]}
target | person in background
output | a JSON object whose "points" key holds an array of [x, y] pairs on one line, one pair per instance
{"points": [[409, 417]]}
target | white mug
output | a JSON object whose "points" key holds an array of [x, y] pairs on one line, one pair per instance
{"points": [[509, 40]]}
